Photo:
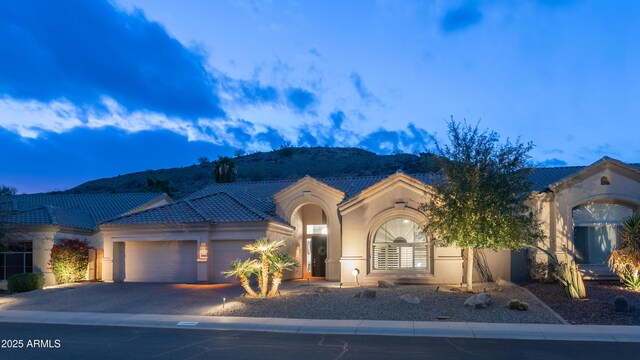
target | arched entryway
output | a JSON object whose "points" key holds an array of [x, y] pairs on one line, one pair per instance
{"points": [[312, 233]]}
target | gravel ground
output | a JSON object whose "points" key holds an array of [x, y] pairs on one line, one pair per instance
{"points": [[304, 302], [597, 309]]}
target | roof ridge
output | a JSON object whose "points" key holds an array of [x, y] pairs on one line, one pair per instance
{"points": [[140, 212], [189, 204]]}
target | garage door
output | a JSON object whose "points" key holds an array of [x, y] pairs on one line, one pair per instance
{"points": [[160, 261], [221, 254]]}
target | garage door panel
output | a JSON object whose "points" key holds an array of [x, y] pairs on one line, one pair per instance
{"points": [[221, 254], [160, 261]]}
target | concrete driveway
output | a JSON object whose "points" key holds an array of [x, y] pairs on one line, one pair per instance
{"points": [[138, 298]]}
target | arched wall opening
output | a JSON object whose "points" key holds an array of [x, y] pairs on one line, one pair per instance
{"points": [[311, 233]]}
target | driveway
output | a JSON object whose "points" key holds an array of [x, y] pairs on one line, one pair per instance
{"points": [[138, 298]]}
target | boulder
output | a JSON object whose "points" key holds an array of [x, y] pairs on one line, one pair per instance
{"points": [[478, 301], [321, 290], [410, 299], [368, 294], [385, 284]]}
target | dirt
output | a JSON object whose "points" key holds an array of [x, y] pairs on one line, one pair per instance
{"points": [[597, 309]]}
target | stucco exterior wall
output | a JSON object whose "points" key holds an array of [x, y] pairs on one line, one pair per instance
{"points": [[362, 218]]}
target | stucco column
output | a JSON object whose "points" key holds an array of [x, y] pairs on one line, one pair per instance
{"points": [[107, 261]]}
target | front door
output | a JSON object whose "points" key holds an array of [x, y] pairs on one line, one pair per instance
{"points": [[318, 255]]}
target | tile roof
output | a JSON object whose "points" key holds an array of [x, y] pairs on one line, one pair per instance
{"points": [[80, 211], [541, 178], [212, 208]]}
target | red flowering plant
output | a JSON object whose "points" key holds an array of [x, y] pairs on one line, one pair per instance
{"points": [[69, 260]]}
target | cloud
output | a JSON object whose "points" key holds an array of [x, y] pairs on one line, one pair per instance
{"points": [[460, 18], [551, 163], [362, 91], [301, 100], [412, 140], [81, 51]]}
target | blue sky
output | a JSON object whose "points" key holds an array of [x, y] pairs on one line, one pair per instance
{"points": [[92, 89]]}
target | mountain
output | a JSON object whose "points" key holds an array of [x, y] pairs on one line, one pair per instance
{"points": [[286, 163]]}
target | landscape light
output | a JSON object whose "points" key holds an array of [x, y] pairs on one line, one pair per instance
{"points": [[355, 274], [224, 300]]}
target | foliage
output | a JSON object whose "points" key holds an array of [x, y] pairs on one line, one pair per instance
{"points": [[7, 190], [158, 185], [625, 260], [568, 274], [515, 304], [203, 160], [225, 170], [19, 283], [270, 265], [480, 202], [243, 270], [239, 152], [69, 260], [538, 271]]}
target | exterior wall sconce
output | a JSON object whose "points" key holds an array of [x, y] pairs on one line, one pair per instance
{"points": [[355, 274], [203, 252]]}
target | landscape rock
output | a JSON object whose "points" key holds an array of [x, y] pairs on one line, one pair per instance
{"points": [[368, 294], [410, 299], [321, 290], [479, 301], [357, 295], [385, 284]]}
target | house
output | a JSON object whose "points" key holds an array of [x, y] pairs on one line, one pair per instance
{"points": [[347, 229], [364, 226], [31, 224]]}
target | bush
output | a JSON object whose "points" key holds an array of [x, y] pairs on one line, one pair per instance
{"points": [[539, 271], [19, 283], [69, 260], [515, 304]]}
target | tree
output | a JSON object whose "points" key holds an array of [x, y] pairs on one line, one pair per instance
{"points": [[270, 264], [159, 185], [203, 160], [7, 190], [225, 170], [480, 201]]}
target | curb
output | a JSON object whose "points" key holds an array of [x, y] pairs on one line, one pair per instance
{"points": [[343, 327]]}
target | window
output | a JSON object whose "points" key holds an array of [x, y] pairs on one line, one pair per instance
{"points": [[15, 258], [605, 181], [399, 244], [595, 231]]}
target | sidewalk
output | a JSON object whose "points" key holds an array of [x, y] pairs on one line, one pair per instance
{"points": [[352, 327]]}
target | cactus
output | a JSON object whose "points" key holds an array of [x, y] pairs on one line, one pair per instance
{"points": [[568, 274], [621, 304], [515, 304]]}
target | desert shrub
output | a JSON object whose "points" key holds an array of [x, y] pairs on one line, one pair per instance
{"points": [[19, 283], [538, 271], [515, 304], [69, 260], [625, 260]]}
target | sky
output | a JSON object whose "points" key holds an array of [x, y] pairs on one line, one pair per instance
{"points": [[92, 89]]}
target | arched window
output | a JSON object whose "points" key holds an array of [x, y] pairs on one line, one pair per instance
{"points": [[399, 244], [605, 181], [595, 230]]}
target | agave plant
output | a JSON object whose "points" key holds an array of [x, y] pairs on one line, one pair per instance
{"points": [[243, 270], [625, 260], [279, 263], [265, 248]]}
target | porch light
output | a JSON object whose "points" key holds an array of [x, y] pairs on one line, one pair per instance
{"points": [[355, 274], [204, 252]]}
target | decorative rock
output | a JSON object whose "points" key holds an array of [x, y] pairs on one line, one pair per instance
{"points": [[321, 290], [369, 294], [479, 301], [410, 299], [357, 295], [385, 284]]}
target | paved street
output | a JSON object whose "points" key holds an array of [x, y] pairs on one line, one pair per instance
{"points": [[96, 342]]}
